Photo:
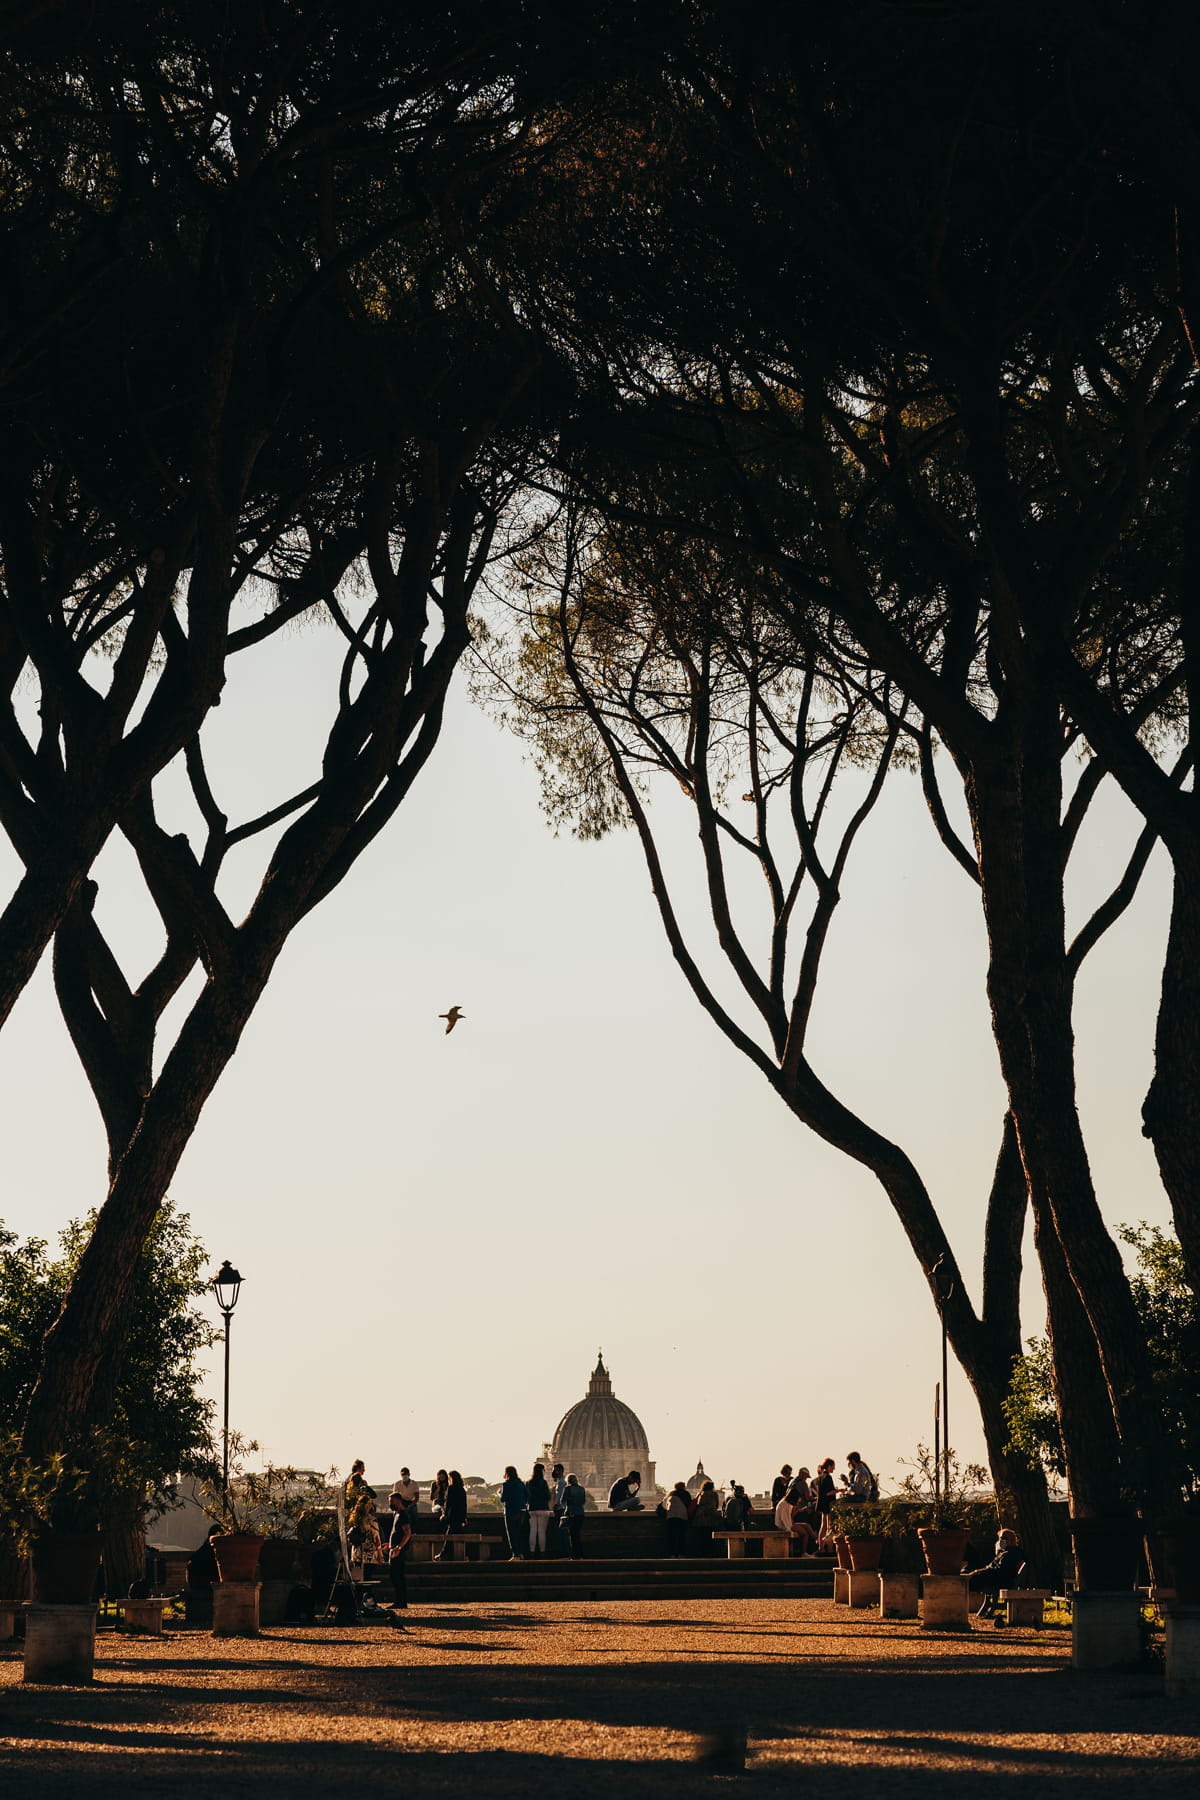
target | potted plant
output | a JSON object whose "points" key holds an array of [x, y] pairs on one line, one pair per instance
{"points": [[65, 1562], [237, 1545], [943, 1504], [290, 1508], [859, 1534]]}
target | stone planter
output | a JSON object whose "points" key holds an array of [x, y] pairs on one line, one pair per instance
{"points": [[1107, 1552], [864, 1553], [60, 1643], [840, 1544], [943, 1550], [65, 1567], [237, 1554]]}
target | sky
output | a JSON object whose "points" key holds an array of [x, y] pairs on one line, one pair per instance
{"points": [[437, 1233]]}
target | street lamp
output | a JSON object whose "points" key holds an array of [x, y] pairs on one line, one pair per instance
{"points": [[226, 1284], [941, 1396]]}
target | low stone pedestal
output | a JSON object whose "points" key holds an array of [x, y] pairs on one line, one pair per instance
{"points": [[1183, 1652], [60, 1642], [1105, 1630], [235, 1608], [862, 1587], [144, 1617], [1025, 1606], [273, 1602], [899, 1597], [841, 1586], [944, 1603]]}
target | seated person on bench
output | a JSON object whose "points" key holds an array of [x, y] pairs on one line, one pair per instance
{"points": [[1001, 1572]]}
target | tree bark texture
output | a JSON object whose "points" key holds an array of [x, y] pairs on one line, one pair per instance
{"points": [[985, 1353], [1015, 801], [1171, 1112]]}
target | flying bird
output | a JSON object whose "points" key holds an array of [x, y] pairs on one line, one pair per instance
{"points": [[452, 1017]]}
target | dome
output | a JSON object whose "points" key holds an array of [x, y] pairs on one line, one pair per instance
{"points": [[697, 1481], [600, 1438]]}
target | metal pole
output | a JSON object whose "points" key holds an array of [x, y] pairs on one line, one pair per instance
{"points": [[225, 1434], [937, 1444], [945, 1407]]}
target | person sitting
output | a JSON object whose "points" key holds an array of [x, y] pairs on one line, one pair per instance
{"points": [[799, 1527], [623, 1494], [202, 1565], [1001, 1572], [737, 1508]]}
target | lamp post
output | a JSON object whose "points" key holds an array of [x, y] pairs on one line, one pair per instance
{"points": [[226, 1284], [941, 1401]]}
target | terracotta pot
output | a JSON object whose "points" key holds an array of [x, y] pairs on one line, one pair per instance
{"points": [[65, 1567], [1108, 1553], [1181, 1553], [277, 1559], [840, 1545], [943, 1550], [237, 1555], [864, 1553]]}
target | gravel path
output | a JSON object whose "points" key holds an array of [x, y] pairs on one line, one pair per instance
{"points": [[571, 1699]]}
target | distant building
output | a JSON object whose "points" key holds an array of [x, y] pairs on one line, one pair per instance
{"points": [[600, 1438], [696, 1481]]}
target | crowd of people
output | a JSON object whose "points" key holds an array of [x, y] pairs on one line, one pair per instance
{"points": [[544, 1514]]}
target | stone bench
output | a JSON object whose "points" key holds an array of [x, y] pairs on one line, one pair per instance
{"points": [[774, 1543], [1025, 1606], [424, 1548], [144, 1617]]}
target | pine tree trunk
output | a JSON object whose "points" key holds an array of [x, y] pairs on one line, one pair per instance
{"points": [[1171, 1113]]}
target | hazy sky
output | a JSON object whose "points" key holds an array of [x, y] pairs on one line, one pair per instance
{"points": [[437, 1233]]}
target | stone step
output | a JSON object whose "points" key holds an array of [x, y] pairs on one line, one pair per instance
{"points": [[697, 1579]]}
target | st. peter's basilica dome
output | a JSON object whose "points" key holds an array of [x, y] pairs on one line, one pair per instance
{"points": [[600, 1438]]}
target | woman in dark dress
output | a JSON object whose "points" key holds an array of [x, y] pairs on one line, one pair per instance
{"points": [[454, 1511], [826, 1496]]}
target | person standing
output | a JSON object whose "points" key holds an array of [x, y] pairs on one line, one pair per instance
{"points": [[399, 1539], [454, 1512], [679, 1511], [437, 1493], [706, 1517], [781, 1484], [537, 1489], [558, 1488], [362, 1528], [514, 1503], [574, 1506], [826, 1496], [858, 1481]]}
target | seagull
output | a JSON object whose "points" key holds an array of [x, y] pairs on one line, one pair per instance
{"points": [[452, 1017]]}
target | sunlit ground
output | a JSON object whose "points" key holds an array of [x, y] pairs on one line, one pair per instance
{"points": [[580, 1699]]}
